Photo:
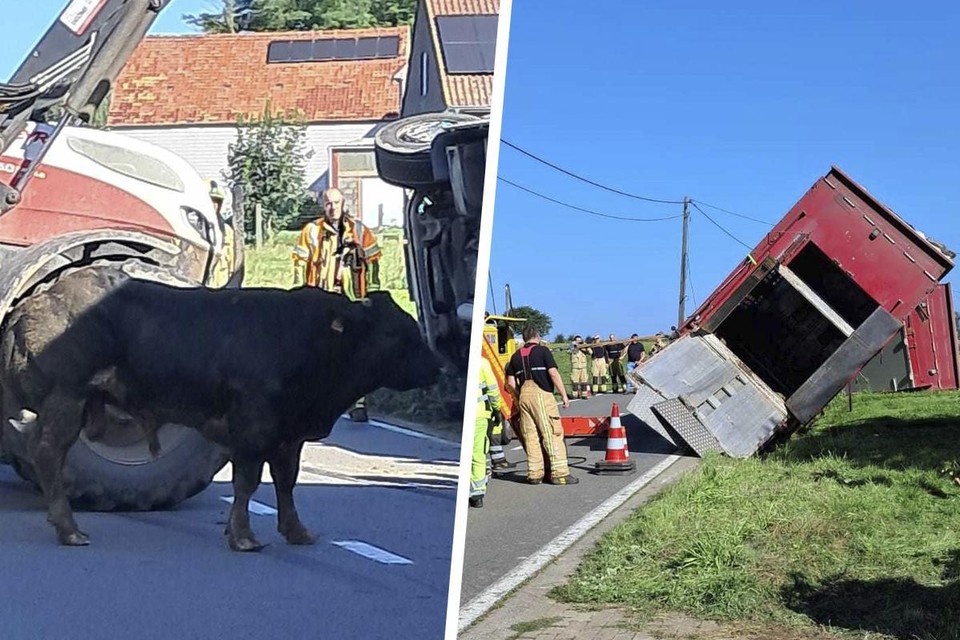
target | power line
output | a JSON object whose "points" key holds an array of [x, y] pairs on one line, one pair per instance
{"points": [[718, 226], [732, 213], [590, 211], [587, 180]]}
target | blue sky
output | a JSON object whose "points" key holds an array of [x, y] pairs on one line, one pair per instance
{"points": [[26, 22], [743, 105]]}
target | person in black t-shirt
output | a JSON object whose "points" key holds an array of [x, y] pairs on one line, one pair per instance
{"points": [[615, 353], [532, 376], [599, 367], [635, 355]]}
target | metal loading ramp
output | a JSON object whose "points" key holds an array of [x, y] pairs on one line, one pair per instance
{"points": [[696, 394]]}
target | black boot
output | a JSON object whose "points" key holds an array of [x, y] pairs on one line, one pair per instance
{"points": [[476, 502]]}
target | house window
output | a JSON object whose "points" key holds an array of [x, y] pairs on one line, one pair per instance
{"points": [[423, 73], [356, 163]]}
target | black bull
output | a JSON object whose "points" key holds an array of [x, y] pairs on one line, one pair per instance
{"points": [[258, 371]]}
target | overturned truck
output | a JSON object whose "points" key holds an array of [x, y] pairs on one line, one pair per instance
{"points": [[819, 297]]}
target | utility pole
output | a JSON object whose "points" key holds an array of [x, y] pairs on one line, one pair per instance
{"points": [[681, 316]]}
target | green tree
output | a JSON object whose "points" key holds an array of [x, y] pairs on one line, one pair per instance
{"points": [[303, 15], [534, 318], [233, 16], [559, 338], [268, 161]]}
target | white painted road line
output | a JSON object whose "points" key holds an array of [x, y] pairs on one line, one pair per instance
{"points": [[494, 594], [371, 552], [410, 432], [256, 508]]}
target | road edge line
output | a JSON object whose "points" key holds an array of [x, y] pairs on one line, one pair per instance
{"points": [[386, 426], [491, 596]]}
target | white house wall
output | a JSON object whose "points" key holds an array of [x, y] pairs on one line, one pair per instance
{"points": [[207, 147]]}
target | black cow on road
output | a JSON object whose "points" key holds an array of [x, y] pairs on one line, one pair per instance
{"points": [[259, 371]]}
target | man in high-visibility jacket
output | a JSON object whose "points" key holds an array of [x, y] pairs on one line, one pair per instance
{"points": [[338, 253], [489, 405]]}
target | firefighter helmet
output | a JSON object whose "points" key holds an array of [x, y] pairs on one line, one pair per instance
{"points": [[216, 193]]}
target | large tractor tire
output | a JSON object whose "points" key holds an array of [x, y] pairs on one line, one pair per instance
{"points": [[117, 471]]}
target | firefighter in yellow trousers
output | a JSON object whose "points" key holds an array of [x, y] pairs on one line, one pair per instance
{"points": [[489, 405], [338, 253], [579, 378], [533, 371]]}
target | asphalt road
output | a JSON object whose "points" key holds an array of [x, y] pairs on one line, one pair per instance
{"points": [[171, 575], [518, 519]]}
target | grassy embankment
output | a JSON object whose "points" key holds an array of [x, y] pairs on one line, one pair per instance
{"points": [[848, 530]]}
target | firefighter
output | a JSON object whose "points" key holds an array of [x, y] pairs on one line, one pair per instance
{"points": [[579, 379], [658, 344], [599, 367], [635, 356], [532, 375], [615, 353], [489, 405], [338, 253], [225, 264]]}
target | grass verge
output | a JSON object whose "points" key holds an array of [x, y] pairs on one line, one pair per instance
{"points": [[848, 529]]}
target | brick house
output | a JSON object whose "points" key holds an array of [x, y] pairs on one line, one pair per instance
{"points": [[187, 93]]}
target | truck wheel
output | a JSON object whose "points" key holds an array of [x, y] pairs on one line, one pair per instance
{"points": [[403, 148], [117, 472]]}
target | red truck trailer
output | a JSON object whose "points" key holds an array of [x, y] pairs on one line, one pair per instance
{"points": [[819, 297], [923, 355]]}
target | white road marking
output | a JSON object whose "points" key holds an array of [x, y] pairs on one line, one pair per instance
{"points": [[371, 552], [494, 594], [410, 432], [256, 508]]}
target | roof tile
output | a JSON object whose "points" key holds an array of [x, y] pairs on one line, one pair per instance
{"points": [[214, 78]]}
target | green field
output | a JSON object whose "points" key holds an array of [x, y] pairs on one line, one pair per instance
{"points": [[561, 354], [439, 406], [272, 265], [847, 531]]}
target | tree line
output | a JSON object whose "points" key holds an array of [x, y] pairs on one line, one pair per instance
{"points": [[234, 16]]}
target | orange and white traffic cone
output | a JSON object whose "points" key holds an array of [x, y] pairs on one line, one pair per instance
{"points": [[617, 459]]}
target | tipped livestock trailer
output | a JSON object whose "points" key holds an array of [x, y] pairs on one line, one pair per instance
{"points": [[835, 281]]}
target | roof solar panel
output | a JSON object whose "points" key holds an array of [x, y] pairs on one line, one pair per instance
{"points": [[278, 51], [388, 46], [324, 49], [366, 48], [469, 42], [345, 49], [301, 50]]}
